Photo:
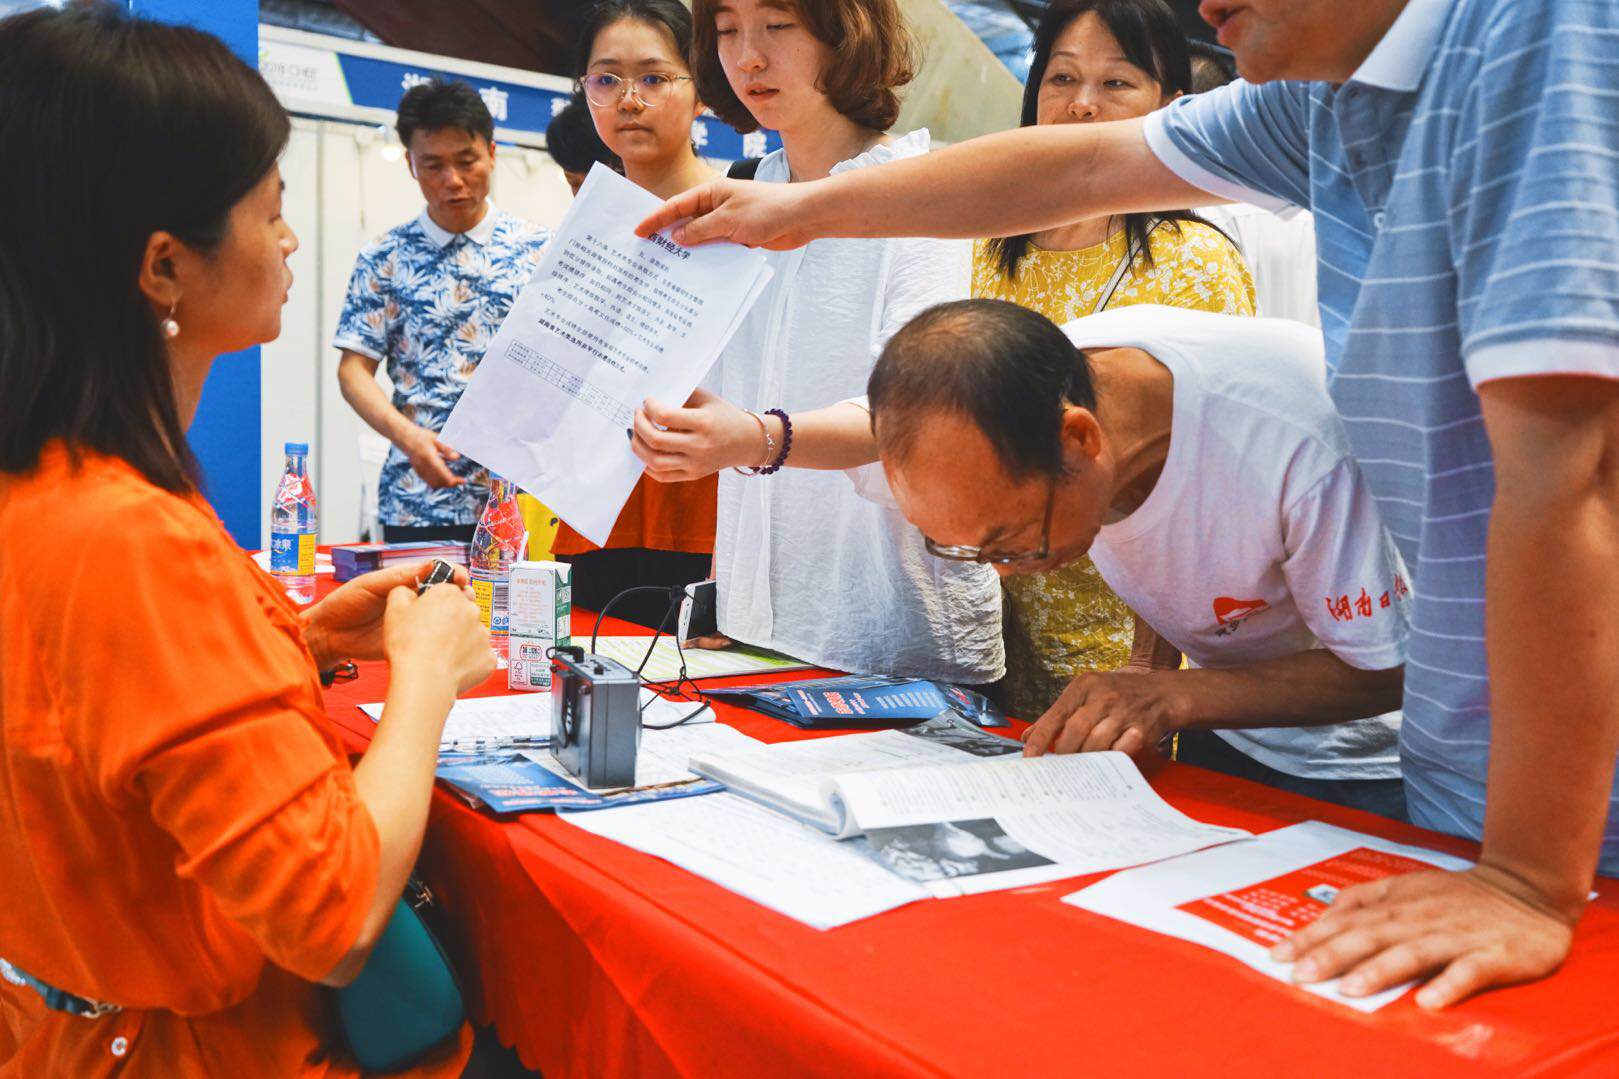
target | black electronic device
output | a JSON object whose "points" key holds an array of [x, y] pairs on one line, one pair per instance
{"points": [[698, 611], [442, 573], [595, 718]]}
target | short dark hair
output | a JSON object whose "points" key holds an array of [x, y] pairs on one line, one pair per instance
{"points": [[112, 128], [873, 55], [573, 142], [1007, 369], [671, 16], [1151, 38], [1212, 66], [440, 103]]}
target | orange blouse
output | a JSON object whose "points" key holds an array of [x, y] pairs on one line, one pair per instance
{"points": [[659, 516], [180, 833]]}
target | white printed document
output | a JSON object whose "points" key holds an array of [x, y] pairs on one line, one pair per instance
{"points": [[772, 860], [666, 662], [1246, 898], [480, 723], [523, 720], [607, 320], [663, 755]]}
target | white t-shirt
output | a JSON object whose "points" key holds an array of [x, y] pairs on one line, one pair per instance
{"points": [[1279, 248], [806, 565], [1261, 537]]}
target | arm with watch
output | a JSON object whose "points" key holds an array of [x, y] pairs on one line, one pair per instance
{"points": [[709, 434]]}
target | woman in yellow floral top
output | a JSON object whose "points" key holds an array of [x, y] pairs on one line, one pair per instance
{"points": [[1098, 60]]}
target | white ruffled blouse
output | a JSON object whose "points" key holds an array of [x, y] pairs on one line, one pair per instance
{"points": [[805, 564]]}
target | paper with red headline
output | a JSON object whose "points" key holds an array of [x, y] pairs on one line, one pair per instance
{"points": [[1244, 898]]}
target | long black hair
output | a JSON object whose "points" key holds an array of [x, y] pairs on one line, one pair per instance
{"points": [[1151, 39], [671, 15], [111, 128]]}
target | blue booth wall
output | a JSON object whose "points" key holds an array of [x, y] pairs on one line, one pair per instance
{"points": [[225, 435]]}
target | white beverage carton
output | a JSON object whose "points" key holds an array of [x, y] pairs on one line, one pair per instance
{"points": [[540, 600]]}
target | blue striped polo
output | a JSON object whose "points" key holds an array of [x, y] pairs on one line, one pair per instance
{"points": [[1465, 187]]}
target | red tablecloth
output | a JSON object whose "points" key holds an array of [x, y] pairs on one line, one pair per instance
{"points": [[596, 960]]}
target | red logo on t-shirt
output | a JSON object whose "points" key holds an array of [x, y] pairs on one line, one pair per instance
{"points": [[1230, 613]]}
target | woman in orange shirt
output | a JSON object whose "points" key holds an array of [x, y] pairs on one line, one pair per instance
{"points": [[632, 63], [183, 844]]}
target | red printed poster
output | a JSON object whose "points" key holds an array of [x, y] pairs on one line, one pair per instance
{"points": [[1272, 910]]}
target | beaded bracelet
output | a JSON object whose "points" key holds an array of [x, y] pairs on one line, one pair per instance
{"points": [[770, 448], [786, 441]]}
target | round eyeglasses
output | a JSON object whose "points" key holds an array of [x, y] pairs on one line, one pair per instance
{"points": [[651, 89]]}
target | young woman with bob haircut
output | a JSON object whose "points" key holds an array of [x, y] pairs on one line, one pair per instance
{"points": [[808, 562], [187, 853]]}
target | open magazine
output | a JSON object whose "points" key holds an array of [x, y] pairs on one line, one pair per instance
{"points": [[958, 817]]}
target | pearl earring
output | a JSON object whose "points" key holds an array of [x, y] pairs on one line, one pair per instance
{"points": [[170, 328]]}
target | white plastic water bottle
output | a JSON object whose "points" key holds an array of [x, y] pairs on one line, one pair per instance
{"points": [[497, 542], [293, 524]]}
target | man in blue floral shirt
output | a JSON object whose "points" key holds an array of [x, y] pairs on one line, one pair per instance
{"points": [[425, 300]]}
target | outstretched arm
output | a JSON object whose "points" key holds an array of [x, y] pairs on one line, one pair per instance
{"points": [[997, 185]]}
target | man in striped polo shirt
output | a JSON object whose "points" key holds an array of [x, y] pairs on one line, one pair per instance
{"points": [[1462, 163]]}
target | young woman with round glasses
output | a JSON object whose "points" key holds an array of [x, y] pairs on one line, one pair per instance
{"points": [[632, 56]]}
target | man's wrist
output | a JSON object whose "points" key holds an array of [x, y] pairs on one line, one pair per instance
{"points": [[1539, 891], [1179, 707], [404, 432]]}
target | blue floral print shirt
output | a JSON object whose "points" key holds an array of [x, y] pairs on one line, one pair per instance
{"points": [[425, 303]]}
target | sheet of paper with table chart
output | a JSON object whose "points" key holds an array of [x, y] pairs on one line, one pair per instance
{"points": [[607, 321]]}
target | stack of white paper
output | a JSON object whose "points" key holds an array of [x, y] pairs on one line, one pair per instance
{"points": [[480, 723], [607, 321], [522, 720], [666, 662]]}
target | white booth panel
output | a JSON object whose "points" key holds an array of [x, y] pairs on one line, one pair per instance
{"points": [[287, 367]]}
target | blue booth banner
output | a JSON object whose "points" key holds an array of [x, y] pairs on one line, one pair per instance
{"points": [[310, 73]]}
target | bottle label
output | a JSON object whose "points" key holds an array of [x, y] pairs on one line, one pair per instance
{"points": [[490, 594], [292, 553]]}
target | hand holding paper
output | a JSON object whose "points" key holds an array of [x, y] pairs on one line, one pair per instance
{"points": [[706, 436], [608, 321]]}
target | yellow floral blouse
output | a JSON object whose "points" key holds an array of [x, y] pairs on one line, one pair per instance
{"points": [[1061, 623]]}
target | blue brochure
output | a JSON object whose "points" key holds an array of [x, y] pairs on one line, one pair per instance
{"points": [[509, 781], [856, 701]]}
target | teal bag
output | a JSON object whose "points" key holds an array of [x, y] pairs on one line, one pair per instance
{"points": [[407, 1000]]}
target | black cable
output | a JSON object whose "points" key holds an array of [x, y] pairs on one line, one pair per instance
{"points": [[674, 598], [676, 593]]}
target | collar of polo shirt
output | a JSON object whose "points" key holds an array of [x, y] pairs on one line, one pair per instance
{"points": [[478, 234], [1403, 54]]}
